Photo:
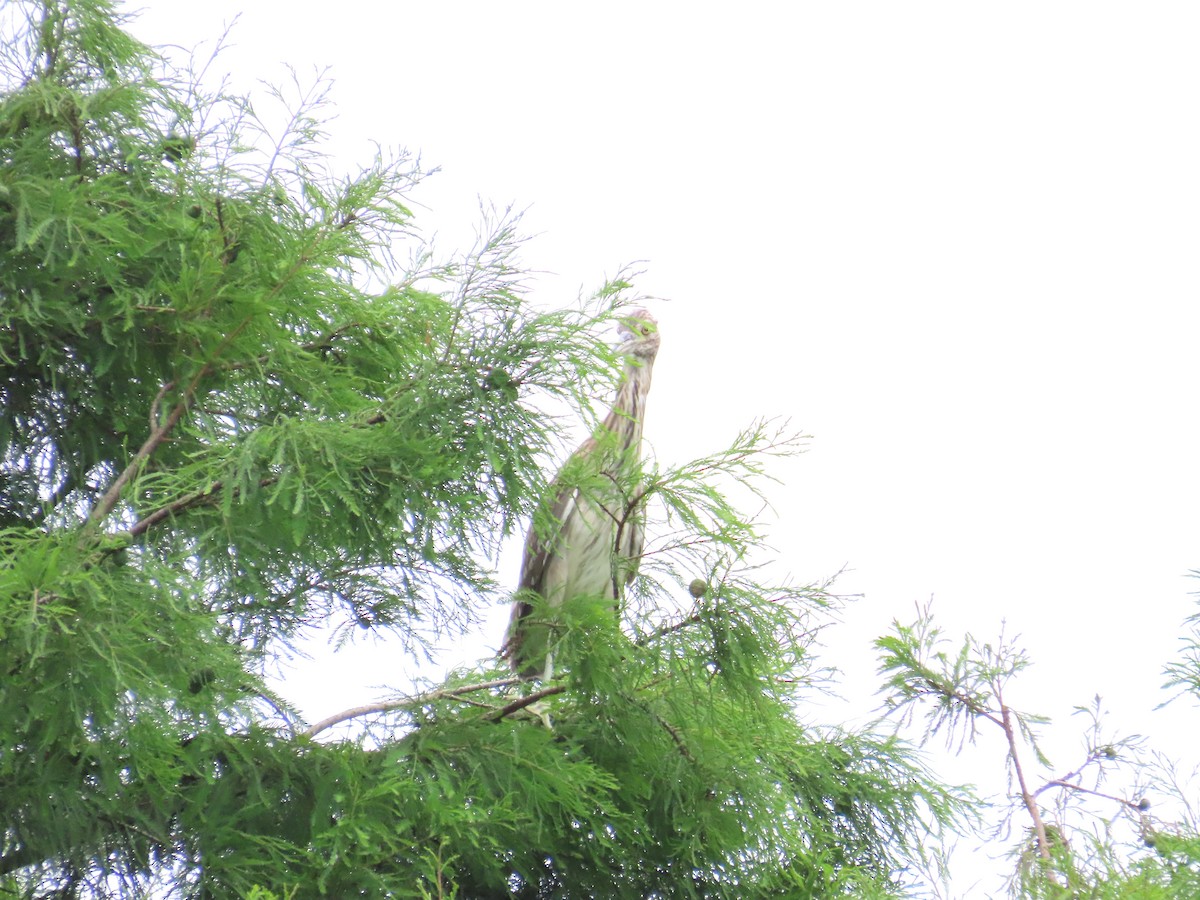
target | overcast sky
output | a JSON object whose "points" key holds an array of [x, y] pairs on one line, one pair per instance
{"points": [[954, 242]]}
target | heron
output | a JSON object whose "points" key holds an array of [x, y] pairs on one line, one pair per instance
{"points": [[597, 536]]}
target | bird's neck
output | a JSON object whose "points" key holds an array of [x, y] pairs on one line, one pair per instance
{"points": [[629, 409]]}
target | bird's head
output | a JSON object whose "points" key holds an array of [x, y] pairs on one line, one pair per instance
{"points": [[639, 336]]}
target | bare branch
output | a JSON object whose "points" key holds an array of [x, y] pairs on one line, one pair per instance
{"points": [[1082, 789], [157, 435], [156, 405], [522, 702], [411, 702], [1027, 798]]}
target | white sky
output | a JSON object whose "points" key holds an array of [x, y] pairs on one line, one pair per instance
{"points": [[954, 242]]}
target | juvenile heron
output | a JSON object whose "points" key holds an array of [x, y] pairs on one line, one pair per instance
{"points": [[597, 535]]}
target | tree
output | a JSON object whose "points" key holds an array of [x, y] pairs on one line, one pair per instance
{"points": [[1091, 830], [230, 417]]}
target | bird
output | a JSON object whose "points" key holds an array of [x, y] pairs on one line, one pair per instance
{"points": [[597, 536]]}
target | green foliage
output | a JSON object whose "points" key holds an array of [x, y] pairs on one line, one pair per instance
{"points": [[227, 417], [960, 689], [1183, 675]]}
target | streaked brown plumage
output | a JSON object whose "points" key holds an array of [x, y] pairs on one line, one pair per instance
{"points": [[597, 539]]}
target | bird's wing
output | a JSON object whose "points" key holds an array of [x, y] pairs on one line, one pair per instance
{"points": [[540, 548], [539, 553], [631, 541]]}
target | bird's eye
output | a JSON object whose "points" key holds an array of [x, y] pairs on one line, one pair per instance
{"points": [[638, 328]]}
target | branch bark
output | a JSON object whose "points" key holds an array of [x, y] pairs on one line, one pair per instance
{"points": [[1027, 797], [188, 501], [158, 434], [159, 431], [411, 702], [522, 702]]}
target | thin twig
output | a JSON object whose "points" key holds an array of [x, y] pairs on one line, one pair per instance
{"points": [[1082, 789], [674, 732], [664, 630], [325, 342]]}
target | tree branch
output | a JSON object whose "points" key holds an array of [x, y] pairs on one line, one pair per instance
{"points": [[971, 704], [197, 498], [158, 434], [410, 702], [522, 702], [325, 342], [1082, 789], [156, 404], [1043, 842]]}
